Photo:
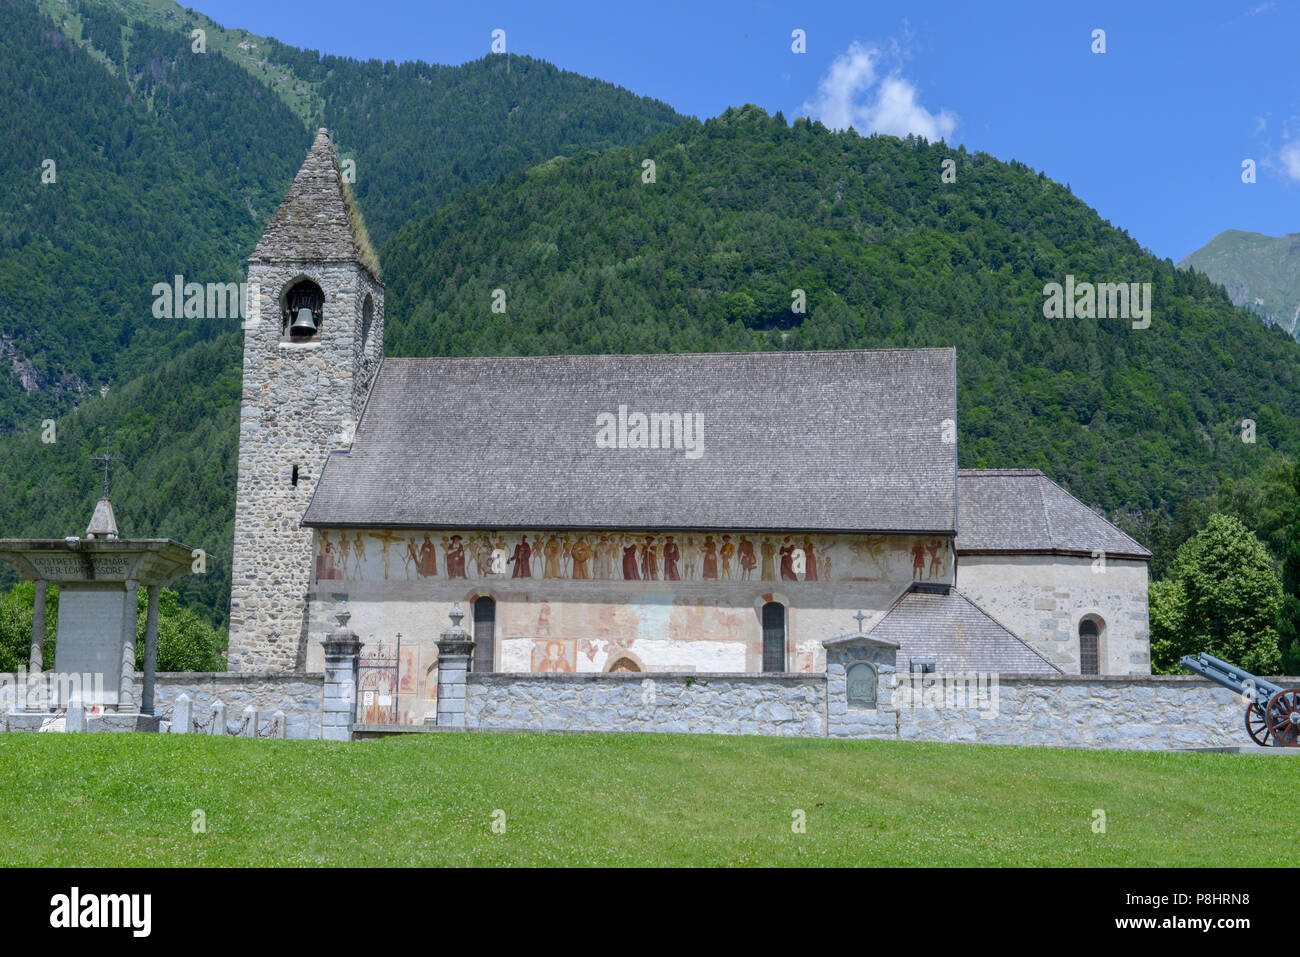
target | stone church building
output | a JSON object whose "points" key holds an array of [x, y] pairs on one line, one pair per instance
{"points": [[723, 513]]}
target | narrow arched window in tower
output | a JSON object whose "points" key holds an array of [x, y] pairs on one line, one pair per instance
{"points": [[1089, 659], [303, 311], [485, 623], [773, 636], [367, 316]]}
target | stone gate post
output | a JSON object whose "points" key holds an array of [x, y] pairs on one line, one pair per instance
{"points": [[339, 704], [454, 650]]}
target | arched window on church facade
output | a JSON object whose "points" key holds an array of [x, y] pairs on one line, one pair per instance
{"points": [[367, 316], [1090, 646], [485, 623], [773, 636]]}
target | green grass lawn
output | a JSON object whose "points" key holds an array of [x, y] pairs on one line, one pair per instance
{"points": [[119, 799]]}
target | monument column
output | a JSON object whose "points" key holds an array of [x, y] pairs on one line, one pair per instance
{"points": [[150, 650], [126, 689], [36, 660], [36, 663]]}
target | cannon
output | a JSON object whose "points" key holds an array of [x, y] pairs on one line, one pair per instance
{"points": [[1272, 712]]}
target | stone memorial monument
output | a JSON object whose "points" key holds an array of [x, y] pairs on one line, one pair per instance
{"points": [[99, 578]]}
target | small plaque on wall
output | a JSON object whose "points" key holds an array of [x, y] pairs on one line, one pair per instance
{"points": [[861, 686]]}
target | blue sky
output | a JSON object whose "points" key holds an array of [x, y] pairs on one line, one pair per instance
{"points": [[1152, 133]]}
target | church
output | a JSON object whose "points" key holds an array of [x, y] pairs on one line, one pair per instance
{"points": [[695, 513]]}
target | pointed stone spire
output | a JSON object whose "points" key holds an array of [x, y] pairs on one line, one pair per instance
{"points": [[317, 221], [102, 523]]}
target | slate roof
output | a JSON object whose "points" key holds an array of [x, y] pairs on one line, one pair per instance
{"points": [[956, 634], [1021, 510], [316, 221], [815, 441]]}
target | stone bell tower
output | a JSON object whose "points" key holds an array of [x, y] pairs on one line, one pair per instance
{"points": [[313, 340]]}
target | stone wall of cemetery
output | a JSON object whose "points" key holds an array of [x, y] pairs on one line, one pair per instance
{"points": [[788, 705], [297, 695], [1124, 712], [1120, 712]]}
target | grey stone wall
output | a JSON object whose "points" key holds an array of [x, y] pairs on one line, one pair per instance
{"points": [[301, 400], [789, 705], [297, 695], [1124, 712]]}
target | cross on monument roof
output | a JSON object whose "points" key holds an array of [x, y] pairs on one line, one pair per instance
{"points": [[860, 617], [107, 459]]}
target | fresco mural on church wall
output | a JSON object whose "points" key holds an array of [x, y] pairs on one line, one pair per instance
{"points": [[390, 556], [576, 602]]}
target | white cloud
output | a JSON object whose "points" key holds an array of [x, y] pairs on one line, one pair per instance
{"points": [[1291, 159], [849, 95]]}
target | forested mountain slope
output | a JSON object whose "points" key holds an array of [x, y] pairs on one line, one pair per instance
{"points": [[170, 162], [746, 208]]}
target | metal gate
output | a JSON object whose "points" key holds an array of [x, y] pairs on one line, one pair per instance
{"points": [[388, 677], [377, 674]]}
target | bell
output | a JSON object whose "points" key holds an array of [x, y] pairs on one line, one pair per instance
{"points": [[304, 324]]}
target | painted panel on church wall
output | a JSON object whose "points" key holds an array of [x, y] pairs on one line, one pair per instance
{"points": [[356, 555]]}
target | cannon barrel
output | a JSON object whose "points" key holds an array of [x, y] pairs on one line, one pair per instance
{"points": [[1229, 676]]}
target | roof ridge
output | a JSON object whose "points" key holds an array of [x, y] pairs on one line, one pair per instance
{"points": [[1047, 519], [1064, 491]]}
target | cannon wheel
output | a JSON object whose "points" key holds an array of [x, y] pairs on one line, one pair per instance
{"points": [[1257, 726], [1284, 717]]}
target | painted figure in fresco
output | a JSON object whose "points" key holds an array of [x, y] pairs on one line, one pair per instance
{"points": [[629, 563], [358, 554], [810, 561], [606, 557], [918, 560], [426, 564], [936, 559], [581, 554], [554, 662], [523, 552], [826, 567], [566, 559], [650, 559], [483, 557], [747, 559], [710, 558], [768, 549], [385, 553], [552, 551], [671, 554], [539, 560], [455, 553], [787, 561], [325, 560], [691, 557], [727, 552], [500, 549]]}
